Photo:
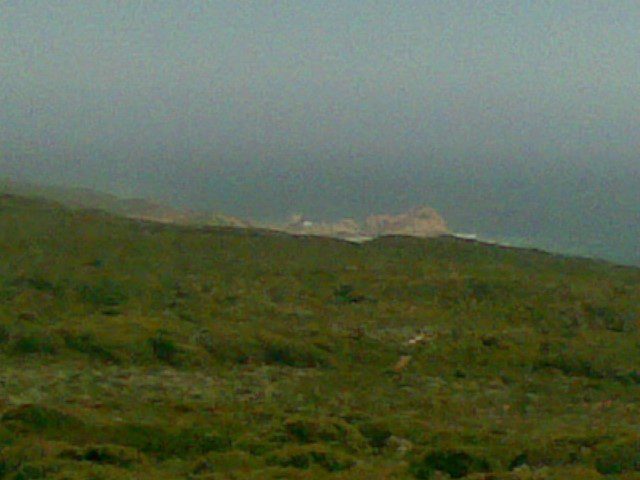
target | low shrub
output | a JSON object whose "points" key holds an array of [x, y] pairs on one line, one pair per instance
{"points": [[5, 335], [608, 317], [455, 463], [619, 457], [87, 343], [38, 418], [226, 462], [107, 454], [112, 455], [29, 470], [279, 350], [377, 433], [304, 456], [105, 293], [325, 430], [166, 443], [346, 294], [35, 343], [553, 452], [36, 283], [30, 459], [571, 365], [255, 444], [164, 349], [226, 347]]}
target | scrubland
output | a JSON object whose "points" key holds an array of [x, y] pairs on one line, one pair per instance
{"points": [[137, 350]]}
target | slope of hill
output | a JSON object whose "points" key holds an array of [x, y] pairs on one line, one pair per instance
{"points": [[132, 349], [85, 198]]}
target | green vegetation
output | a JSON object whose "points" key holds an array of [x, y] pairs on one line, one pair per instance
{"points": [[139, 350]]}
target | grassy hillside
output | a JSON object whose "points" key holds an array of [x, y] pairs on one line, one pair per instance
{"points": [[147, 351]]}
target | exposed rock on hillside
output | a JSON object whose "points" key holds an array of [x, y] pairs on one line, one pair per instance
{"points": [[344, 228], [419, 222]]}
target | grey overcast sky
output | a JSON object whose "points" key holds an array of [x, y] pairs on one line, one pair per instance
{"points": [[513, 118]]}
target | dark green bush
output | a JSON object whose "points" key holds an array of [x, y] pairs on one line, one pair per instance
{"points": [[34, 471], [166, 443], [518, 461], [255, 444], [607, 317], [619, 457], [34, 344], [105, 293], [376, 432], [5, 335], [325, 430], [224, 346], [303, 456], [36, 283], [86, 343], [456, 464], [8, 292], [226, 462], [346, 294], [280, 350], [164, 349], [112, 455], [38, 418], [550, 453]]}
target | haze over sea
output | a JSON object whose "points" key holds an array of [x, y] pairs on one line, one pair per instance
{"points": [[514, 120]]}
